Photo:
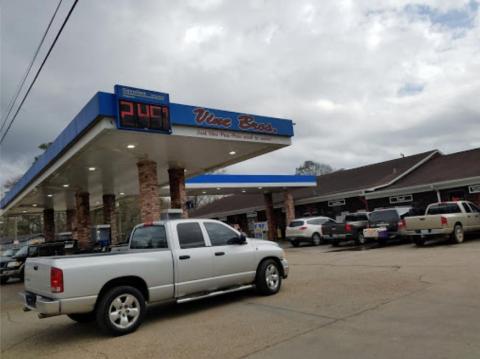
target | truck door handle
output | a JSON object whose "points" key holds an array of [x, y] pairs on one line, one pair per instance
{"points": [[219, 253], [184, 257]]}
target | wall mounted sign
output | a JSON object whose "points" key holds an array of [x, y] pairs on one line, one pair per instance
{"points": [[142, 110], [337, 202], [474, 188], [401, 199]]}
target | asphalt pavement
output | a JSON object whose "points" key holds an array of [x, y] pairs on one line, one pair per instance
{"points": [[393, 302]]}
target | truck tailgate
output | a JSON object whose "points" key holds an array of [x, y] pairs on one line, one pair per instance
{"points": [[37, 276], [423, 222]]}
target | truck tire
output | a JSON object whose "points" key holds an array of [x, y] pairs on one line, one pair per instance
{"points": [[268, 279], [4, 280], [458, 235], [120, 310], [295, 243], [82, 317], [419, 242], [360, 240], [316, 239]]}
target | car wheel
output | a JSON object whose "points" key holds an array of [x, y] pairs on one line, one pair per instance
{"points": [[360, 241], [269, 279], [82, 317], [295, 243], [4, 280], [316, 239], [458, 234], [120, 310], [419, 242]]}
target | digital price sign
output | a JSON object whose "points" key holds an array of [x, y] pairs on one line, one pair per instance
{"points": [[142, 110]]}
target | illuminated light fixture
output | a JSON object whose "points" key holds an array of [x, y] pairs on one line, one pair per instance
{"points": [[66, 185], [130, 146], [98, 202], [34, 205], [122, 194], [260, 187], [218, 188], [243, 191], [91, 169], [24, 211], [204, 192], [49, 195], [232, 153]]}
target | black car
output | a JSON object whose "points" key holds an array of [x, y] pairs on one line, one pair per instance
{"points": [[387, 223], [351, 228], [14, 266]]}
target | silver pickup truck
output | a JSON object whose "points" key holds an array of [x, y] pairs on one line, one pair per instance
{"points": [[173, 260]]}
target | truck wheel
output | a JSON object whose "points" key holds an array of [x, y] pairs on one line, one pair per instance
{"points": [[120, 310], [3, 280], [295, 243], [269, 279], [316, 239], [335, 242], [82, 317], [360, 241], [458, 235], [419, 242]]}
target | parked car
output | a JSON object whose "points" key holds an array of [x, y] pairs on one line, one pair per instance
{"points": [[15, 266], [350, 229], [445, 219], [306, 230], [387, 223], [175, 260]]}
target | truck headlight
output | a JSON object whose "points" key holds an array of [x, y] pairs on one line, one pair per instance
{"points": [[14, 264]]}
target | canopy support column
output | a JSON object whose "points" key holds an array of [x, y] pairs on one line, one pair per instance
{"points": [[109, 215], [272, 225], [148, 186], [178, 195], [289, 205], [82, 231], [49, 224]]}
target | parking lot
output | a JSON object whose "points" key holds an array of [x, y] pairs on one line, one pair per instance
{"points": [[397, 301]]}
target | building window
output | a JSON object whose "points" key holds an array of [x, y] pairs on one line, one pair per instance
{"points": [[474, 188], [401, 199]]}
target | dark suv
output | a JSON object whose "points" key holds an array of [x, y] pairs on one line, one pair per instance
{"points": [[387, 223], [351, 228]]}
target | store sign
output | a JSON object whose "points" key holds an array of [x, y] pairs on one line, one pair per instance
{"points": [[337, 202], [474, 188], [201, 117], [142, 110], [401, 199]]}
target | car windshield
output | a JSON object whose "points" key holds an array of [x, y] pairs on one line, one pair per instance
{"points": [[9, 252], [296, 223], [22, 252], [384, 216]]}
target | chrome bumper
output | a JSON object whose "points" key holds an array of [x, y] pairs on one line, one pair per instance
{"points": [[285, 268], [42, 305]]}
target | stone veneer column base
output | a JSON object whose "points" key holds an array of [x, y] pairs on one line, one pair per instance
{"points": [[272, 225], [178, 194], [148, 188]]}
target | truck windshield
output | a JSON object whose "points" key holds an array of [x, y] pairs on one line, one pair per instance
{"points": [[384, 216], [149, 237], [356, 217], [296, 223], [444, 208]]}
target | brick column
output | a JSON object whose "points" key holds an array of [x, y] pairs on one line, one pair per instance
{"points": [[70, 220], [148, 187], [109, 215], [49, 224], [272, 225], [289, 206], [82, 231], [178, 195]]}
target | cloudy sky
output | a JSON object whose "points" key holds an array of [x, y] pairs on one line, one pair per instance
{"points": [[363, 80]]}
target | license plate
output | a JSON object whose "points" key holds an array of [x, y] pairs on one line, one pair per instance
{"points": [[31, 299], [370, 232]]}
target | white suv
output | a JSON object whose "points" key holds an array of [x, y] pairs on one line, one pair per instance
{"points": [[306, 230]]}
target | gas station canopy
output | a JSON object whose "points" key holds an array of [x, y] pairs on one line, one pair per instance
{"points": [[224, 184], [99, 149]]}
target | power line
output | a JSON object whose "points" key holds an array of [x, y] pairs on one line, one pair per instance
{"points": [[39, 70], [22, 82]]}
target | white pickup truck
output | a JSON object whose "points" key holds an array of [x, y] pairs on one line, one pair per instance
{"points": [[173, 260], [444, 219]]}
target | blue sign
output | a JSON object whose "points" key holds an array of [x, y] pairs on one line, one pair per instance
{"points": [[142, 110], [225, 120]]}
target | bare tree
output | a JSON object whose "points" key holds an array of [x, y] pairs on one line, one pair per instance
{"points": [[313, 168]]}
